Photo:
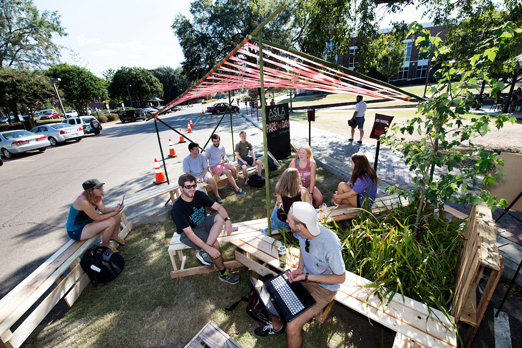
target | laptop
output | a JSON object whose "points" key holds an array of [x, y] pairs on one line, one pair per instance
{"points": [[283, 299]]}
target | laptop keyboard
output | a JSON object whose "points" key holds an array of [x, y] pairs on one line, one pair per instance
{"points": [[288, 296]]}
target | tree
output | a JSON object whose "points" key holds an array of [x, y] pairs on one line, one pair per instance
{"points": [[24, 91], [390, 56], [174, 81], [218, 26], [138, 82], [78, 85], [26, 36]]}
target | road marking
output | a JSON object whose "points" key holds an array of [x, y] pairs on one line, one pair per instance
{"points": [[502, 332]]}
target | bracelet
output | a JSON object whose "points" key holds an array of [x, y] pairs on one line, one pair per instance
{"points": [[227, 218]]}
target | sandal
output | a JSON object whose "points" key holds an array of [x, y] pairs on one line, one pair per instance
{"points": [[120, 241], [114, 250]]}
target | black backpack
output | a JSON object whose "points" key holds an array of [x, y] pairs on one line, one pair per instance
{"points": [[255, 307], [256, 181], [272, 165], [101, 264]]}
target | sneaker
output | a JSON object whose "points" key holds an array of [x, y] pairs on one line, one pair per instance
{"points": [[240, 192], [228, 277], [204, 258], [359, 142], [350, 140], [219, 200], [268, 330]]}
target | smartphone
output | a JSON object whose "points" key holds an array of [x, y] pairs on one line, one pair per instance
{"points": [[122, 200], [235, 228]]}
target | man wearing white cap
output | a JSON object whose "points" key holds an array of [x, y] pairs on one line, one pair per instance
{"points": [[321, 270]]}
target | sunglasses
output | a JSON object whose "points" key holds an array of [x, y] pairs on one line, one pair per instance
{"points": [[188, 187], [307, 246]]}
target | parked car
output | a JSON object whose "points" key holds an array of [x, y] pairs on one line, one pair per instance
{"points": [[176, 108], [89, 124], [39, 113], [221, 107], [71, 113], [19, 141], [3, 119], [150, 111], [59, 132], [132, 115], [49, 116]]}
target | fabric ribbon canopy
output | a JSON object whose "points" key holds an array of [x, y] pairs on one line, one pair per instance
{"points": [[286, 68]]}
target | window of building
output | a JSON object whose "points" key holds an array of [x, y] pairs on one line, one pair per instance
{"points": [[408, 51], [403, 74], [351, 59], [422, 71]]}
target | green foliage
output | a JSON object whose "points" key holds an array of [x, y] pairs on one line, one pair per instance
{"points": [[141, 84], [445, 132], [25, 35], [78, 85], [174, 81], [218, 26], [386, 250], [390, 56]]}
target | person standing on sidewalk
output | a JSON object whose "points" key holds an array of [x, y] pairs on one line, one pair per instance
{"points": [[199, 230], [358, 116]]}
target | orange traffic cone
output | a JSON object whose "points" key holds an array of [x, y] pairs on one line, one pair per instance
{"points": [[189, 130], [172, 152], [202, 112], [160, 177], [181, 138], [191, 124]]}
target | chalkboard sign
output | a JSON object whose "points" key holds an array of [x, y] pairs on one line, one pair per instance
{"points": [[278, 130]]}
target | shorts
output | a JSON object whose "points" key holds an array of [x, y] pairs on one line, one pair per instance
{"points": [[207, 176], [321, 295], [249, 160], [202, 230], [359, 122], [76, 235], [218, 168]]}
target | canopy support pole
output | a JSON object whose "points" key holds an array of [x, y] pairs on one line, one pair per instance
{"points": [[161, 151], [204, 147], [232, 128], [265, 146]]}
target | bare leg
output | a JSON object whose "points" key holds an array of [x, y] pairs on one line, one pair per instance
{"points": [[345, 188], [353, 132], [213, 186], [259, 165], [317, 197], [215, 230], [362, 133], [245, 173], [106, 227], [231, 178], [294, 336], [219, 261]]}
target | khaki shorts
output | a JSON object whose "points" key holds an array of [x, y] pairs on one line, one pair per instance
{"points": [[321, 295]]}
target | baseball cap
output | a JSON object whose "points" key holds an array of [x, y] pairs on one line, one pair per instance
{"points": [[92, 183], [305, 212]]}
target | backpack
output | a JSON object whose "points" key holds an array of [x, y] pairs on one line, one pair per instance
{"points": [[255, 307], [101, 264], [256, 181], [272, 165]]}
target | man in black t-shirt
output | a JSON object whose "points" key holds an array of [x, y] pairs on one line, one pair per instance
{"points": [[198, 230]]}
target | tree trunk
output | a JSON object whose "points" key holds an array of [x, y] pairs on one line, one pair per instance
{"points": [[505, 109], [481, 93]]}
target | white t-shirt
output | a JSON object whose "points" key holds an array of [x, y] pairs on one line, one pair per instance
{"points": [[215, 154], [360, 107]]}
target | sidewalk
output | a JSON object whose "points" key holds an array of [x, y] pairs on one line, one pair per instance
{"points": [[333, 151]]}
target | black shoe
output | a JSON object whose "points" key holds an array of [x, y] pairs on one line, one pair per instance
{"points": [[204, 258], [229, 277], [268, 329]]}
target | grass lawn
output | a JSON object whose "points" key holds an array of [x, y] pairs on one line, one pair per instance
{"points": [[144, 307]]}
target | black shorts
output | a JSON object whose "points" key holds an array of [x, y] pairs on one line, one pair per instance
{"points": [[249, 160], [202, 230]]}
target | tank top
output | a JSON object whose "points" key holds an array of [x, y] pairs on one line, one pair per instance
{"points": [[287, 203], [77, 219], [304, 173]]}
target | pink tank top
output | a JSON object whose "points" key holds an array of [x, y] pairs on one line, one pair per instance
{"points": [[304, 173]]}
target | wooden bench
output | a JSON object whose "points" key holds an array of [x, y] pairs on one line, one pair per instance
{"points": [[176, 248], [345, 211], [213, 337], [410, 318]]}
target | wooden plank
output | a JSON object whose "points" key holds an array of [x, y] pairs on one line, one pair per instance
{"points": [[10, 314], [402, 341], [202, 270], [253, 265], [40, 312], [269, 259], [469, 311], [4, 342], [454, 212], [77, 290]]}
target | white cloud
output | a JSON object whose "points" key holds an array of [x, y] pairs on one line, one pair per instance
{"points": [[85, 41], [104, 53]]}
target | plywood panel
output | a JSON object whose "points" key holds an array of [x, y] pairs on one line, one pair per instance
{"points": [[511, 186]]}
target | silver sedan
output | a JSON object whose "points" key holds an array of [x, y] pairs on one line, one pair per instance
{"points": [[18, 141], [59, 132]]}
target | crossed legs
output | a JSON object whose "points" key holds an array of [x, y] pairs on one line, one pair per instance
{"points": [[213, 234], [342, 195], [109, 229]]}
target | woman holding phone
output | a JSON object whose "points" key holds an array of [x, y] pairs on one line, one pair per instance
{"points": [[88, 216]]}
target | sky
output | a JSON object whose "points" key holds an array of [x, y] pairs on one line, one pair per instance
{"points": [[111, 34]]}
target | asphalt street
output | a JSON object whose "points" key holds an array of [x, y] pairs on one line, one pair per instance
{"points": [[38, 188]]}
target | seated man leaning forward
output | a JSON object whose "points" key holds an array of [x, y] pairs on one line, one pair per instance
{"points": [[198, 230], [245, 155], [216, 155], [196, 164], [321, 269]]}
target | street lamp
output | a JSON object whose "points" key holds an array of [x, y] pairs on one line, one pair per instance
{"points": [[130, 99], [58, 95]]}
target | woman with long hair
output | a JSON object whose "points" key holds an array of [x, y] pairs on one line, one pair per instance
{"points": [[85, 222], [288, 190], [361, 190], [305, 164]]}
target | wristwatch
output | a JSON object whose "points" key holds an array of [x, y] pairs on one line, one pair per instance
{"points": [[227, 218], [306, 277]]}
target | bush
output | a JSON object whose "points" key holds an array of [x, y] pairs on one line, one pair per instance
{"points": [[112, 117], [103, 119]]}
